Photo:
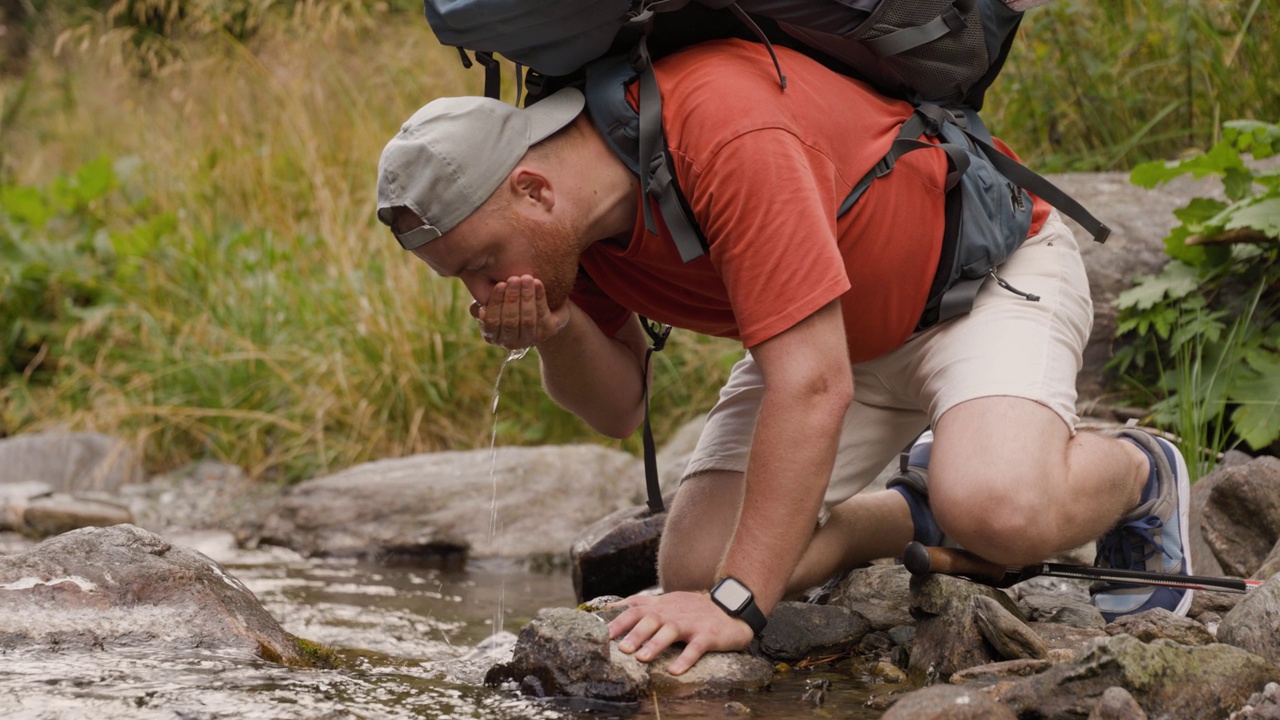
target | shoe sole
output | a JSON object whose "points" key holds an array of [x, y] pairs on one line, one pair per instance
{"points": [[1184, 515]]}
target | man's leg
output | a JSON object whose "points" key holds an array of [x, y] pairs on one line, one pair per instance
{"points": [[704, 514], [1008, 481]]}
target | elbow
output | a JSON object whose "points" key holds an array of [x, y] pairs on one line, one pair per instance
{"points": [[619, 426]]}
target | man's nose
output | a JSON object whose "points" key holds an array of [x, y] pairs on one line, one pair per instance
{"points": [[479, 286]]}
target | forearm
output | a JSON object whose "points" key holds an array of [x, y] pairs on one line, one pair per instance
{"points": [[793, 451], [594, 376]]}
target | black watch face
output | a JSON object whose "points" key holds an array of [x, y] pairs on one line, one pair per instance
{"points": [[733, 595]]}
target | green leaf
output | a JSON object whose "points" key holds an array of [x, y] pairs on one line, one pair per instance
{"points": [[1263, 216], [1257, 419], [1237, 183], [26, 205], [1175, 280]]}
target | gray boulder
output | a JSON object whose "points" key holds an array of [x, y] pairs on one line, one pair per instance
{"points": [[880, 593], [948, 702], [948, 635], [125, 587], [799, 630], [1242, 515], [618, 554], [1254, 623], [1157, 624], [69, 462], [517, 503]]}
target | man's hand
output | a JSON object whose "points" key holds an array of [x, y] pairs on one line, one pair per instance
{"points": [[517, 315], [654, 623]]}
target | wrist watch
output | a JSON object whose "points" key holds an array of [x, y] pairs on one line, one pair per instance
{"points": [[735, 599]]}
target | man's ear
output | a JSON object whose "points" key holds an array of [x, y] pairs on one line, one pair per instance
{"points": [[530, 185]]}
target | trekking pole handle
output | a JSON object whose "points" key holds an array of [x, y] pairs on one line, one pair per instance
{"points": [[921, 560]]}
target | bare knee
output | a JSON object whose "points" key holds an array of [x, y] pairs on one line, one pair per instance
{"points": [[1004, 521]]}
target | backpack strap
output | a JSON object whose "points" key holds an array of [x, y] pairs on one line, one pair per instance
{"points": [[658, 335], [903, 40]]}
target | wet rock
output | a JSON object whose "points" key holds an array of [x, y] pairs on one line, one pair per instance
{"points": [[948, 702], [618, 555], [1160, 623], [125, 587], [437, 508], [1167, 680], [566, 652], [1254, 624], [69, 462], [1067, 611], [799, 630], [948, 638], [880, 593], [714, 674], [57, 513], [1242, 515], [1010, 637], [1117, 704]]}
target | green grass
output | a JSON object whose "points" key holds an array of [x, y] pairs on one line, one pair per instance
{"points": [[233, 297]]}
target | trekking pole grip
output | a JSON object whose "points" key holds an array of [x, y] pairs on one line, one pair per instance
{"points": [[921, 560]]}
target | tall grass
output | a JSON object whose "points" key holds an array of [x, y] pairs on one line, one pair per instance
{"points": [[254, 312]]}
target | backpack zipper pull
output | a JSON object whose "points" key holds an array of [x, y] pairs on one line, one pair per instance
{"points": [[1004, 284]]}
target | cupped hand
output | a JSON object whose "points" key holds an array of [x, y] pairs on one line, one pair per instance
{"points": [[517, 315], [652, 623]]}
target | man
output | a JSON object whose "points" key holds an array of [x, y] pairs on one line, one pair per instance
{"points": [[543, 224]]}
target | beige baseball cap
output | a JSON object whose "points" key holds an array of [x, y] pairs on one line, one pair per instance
{"points": [[451, 155]]}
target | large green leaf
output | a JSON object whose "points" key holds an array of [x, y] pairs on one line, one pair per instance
{"points": [[1175, 280], [1257, 419], [1263, 216]]}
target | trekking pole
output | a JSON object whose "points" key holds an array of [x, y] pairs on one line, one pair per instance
{"points": [[921, 560]]}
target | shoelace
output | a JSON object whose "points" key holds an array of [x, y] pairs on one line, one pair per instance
{"points": [[1120, 547]]}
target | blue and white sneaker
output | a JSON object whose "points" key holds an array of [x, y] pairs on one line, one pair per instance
{"points": [[1152, 537], [912, 481]]}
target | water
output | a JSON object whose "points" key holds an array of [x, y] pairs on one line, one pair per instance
{"points": [[493, 470], [415, 640]]}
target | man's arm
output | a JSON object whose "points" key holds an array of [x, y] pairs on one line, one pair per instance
{"points": [[590, 374], [808, 388]]}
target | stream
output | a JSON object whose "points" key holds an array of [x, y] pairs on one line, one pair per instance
{"points": [[417, 644]]}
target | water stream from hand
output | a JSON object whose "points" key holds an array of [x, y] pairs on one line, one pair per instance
{"points": [[493, 473]]}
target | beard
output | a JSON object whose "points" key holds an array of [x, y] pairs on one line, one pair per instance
{"points": [[554, 244]]}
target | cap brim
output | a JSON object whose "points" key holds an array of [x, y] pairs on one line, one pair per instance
{"points": [[554, 112]]}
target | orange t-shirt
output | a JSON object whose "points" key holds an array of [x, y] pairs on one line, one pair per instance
{"points": [[765, 170]]}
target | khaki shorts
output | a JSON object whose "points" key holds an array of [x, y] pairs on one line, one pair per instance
{"points": [[1006, 346]]}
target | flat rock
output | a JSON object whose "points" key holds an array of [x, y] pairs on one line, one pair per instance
{"points": [[69, 462]]}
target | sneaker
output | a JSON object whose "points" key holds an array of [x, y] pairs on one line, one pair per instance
{"points": [[912, 481], [1152, 537]]}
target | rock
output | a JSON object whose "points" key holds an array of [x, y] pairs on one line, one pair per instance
{"points": [[58, 513], [1054, 609], [1139, 219], [799, 630], [14, 499], [438, 507], [1263, 705], [1242, 515], [69, 462], [1254, 624], [714, 674], [1160, 623], [992, 672], [617, 555], [1117, 704], [202, 496], [1203, 561], [125, 587], [948, 638], [1010, 637], [1166, 679], [880, 593], [948, 702], [566, 652]]}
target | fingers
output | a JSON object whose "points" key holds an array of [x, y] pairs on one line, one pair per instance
{"points": [[652, 624], [517, 314]]}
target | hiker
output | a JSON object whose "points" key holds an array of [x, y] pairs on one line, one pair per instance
{"points": [[535, 214]]}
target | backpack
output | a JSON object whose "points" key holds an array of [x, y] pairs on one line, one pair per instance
{"points": [[940, 55]]}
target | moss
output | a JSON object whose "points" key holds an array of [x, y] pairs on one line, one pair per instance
{"points": [[312, 654]]}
